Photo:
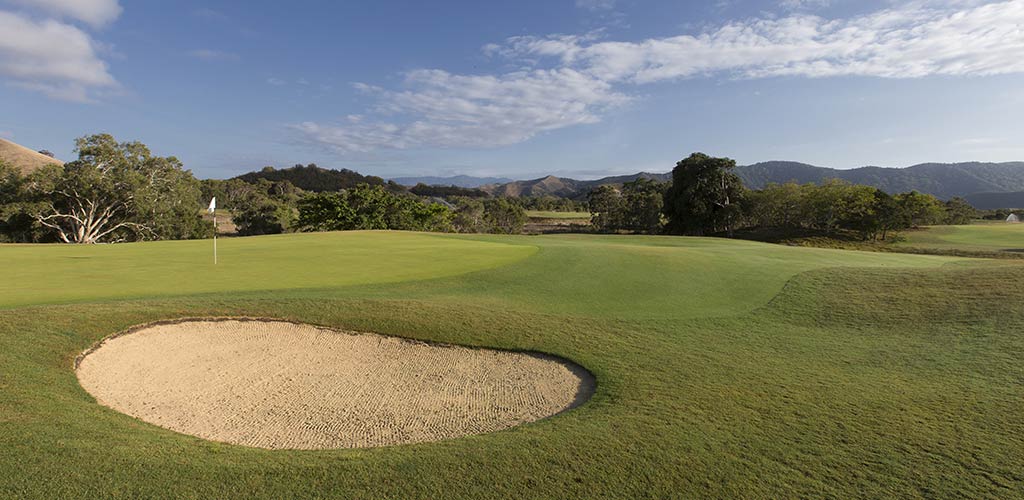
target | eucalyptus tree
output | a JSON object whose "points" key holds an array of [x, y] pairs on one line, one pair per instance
{"points": [[116, 192]]}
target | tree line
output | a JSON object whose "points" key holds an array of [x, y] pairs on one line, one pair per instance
{"points": [[122, 192], [267, 207], [706, 197]]}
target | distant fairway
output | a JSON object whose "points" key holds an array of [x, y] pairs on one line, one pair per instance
{"points": [[989, 237], [724, 369]]}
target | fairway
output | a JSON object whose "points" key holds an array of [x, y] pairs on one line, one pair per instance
{"points": [[988, 237], [724, 369]]}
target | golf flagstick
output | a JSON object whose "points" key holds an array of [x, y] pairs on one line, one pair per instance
{"points": [[213, 210]]}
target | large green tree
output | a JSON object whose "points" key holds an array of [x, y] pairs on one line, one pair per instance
{"points": [[643, 201], [468, 215], [606, 207], [959, 211], [15, 224], [920, 209], [504, 217], [636, 206], [116, 192], [704, 196]]}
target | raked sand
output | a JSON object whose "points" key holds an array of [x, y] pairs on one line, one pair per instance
{"points": [[280, 385]]}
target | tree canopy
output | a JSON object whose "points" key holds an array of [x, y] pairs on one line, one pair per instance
{"points": [[704, 196], [114, 192], [370, 207]]}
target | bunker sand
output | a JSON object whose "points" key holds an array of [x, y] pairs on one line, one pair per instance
{"points": [[280, 385]]}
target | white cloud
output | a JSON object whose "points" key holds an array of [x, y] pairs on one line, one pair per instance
{"points": [[212, 55], [575, 79], [97, 13], [51, 57], [596, 5], [476, 111], [893, 43], [277, 82]]}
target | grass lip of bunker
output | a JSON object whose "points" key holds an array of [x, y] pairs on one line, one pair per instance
{"points": [[277, 384]]}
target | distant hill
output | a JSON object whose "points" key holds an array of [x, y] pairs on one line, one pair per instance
{"points": [[944, 180], [312, 177], [22, 158], [989, 201], [562, 186], [463, 181], [992, 183]]}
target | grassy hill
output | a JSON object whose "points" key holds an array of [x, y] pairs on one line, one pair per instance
{"points": [[944, 180], [725, 369], [22, 158]]}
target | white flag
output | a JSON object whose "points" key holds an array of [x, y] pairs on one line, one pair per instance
{"points": [[213, 204]]}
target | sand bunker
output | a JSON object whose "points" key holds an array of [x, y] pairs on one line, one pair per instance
{"points": [[273, 384]]}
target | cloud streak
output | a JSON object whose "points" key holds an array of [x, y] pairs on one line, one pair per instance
{"points": [[570, 80], [470, 111]]}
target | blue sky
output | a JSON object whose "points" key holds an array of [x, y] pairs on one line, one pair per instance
{"points": [[581, 88]]}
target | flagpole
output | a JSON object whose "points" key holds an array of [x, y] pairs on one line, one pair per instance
{"points": [[213, 212]]}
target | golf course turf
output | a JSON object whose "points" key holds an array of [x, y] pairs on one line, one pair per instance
{"points": [[989, 237], [723, 368]]}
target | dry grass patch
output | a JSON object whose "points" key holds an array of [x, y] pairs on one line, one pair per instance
{"points": [[24, 159]]}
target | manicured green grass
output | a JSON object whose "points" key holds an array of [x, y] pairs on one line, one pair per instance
{"points": [[540, 214], [994, 237], [725, 369], [40, 274]]}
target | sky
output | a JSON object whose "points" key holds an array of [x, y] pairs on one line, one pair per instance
{"points": [[579, 88]]}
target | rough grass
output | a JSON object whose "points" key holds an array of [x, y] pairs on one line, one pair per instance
{"points": [[993, 238], [725, 369]]}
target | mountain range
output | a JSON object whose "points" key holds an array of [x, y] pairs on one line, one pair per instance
{"points": [[944, 180], [463, 181]]}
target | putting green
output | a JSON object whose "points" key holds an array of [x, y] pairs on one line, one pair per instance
{"points": [[46, 274]]}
